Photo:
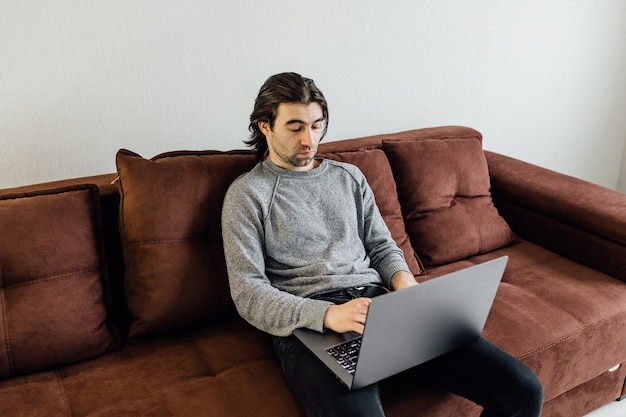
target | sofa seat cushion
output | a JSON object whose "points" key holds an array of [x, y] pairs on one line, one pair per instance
{"points": [[170, 222], [557, 316], [38, 394], [375, 166], [52, 280], [226, 369], [444, 191]]}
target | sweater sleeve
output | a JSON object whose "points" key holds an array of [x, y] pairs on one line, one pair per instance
{"points": [[269, 309]]}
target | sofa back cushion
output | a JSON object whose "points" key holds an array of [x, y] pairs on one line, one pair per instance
{"points": [[444, 191], [170, 224], [375, 166], [52, 280]]}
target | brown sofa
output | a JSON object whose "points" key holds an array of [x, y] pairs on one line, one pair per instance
{"points": [[114, 296]]}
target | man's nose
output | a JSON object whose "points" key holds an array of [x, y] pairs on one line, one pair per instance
{"points": [[308, 138]]}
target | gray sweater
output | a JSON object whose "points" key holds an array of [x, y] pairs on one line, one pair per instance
{"points": [[289, 235]]}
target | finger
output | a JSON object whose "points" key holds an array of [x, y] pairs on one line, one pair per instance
{"points": [[366, 305], [358, 327], [364, 308], [360, 315], [364, 302]]}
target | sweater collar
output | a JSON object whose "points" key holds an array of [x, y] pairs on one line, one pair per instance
{"points": [[296, 174]]}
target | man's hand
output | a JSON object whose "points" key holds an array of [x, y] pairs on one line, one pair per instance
{"points": [[347, 317], [351, 316], [402, 279]]}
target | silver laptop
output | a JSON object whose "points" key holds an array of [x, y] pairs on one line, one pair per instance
{"points": [[408, 327]]}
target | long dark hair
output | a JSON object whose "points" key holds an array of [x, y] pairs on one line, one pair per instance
{"points": [[287, 87]]}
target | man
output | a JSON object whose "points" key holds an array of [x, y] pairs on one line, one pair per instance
{"points": [[306, 246]]}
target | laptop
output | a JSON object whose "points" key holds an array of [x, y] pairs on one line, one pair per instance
{"points": [[408, 327]]}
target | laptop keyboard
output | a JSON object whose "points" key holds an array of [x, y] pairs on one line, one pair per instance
{"points": [[346, 354]]}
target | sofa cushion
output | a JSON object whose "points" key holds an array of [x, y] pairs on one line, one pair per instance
{"points": [[170, 212], [444, 191], [558, 317], [52, 280], [375, 166]]}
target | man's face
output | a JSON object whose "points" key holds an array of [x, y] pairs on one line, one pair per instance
{"points": [[297, 131]]}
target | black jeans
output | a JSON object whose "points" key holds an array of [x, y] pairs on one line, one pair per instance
{"points": [[480, 372]]}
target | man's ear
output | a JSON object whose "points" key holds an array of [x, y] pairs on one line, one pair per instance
{"points": [[264, 127]]}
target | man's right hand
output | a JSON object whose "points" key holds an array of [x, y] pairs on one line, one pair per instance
{"points": [[347, 317]]}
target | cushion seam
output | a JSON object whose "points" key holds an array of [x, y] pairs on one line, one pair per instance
{"points": [[54, 277], [233, 398], [49, 192], [168, 387], [7, 336], [454, 198], [194, 342], [563, 310], [456, 193], [572, 335], [476, 229], [63, 393], [165, 241], [551, 304], [456, 169], [157, 390], [227, 389]]}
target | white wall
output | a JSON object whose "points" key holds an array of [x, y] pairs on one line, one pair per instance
{"points": [[79, 79], [621, 184]]}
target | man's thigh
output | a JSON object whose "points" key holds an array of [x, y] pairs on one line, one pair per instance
{"points": [[319, 392], [483, 373]]}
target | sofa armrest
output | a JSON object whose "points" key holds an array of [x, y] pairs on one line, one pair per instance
{"points": [[574, 218]]}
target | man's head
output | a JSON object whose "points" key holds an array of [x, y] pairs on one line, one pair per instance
{"points": [[280, 94]]}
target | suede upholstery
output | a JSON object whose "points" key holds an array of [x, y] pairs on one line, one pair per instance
{"points": [[444, 190], [561, 307], [171, 235], [52, 307], [576, 218]]}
